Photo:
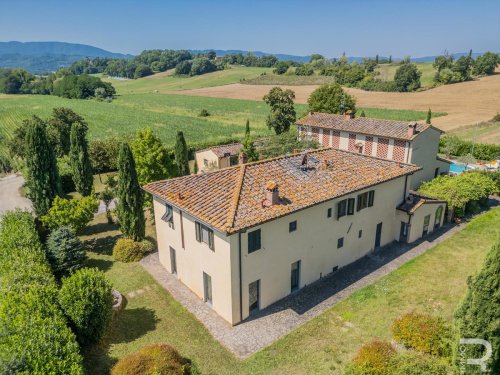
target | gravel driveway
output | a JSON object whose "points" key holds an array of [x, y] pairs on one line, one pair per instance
{"points": [[9, 194]]}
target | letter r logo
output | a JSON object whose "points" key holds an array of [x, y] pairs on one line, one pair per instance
{"points": [[481, 361]]}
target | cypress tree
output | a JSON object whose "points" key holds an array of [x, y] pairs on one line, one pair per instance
{"points": [[42, 178], [248, 146], [479, 314], [362, 114], [181, 155], [247, 128], [79, 158], [130, 197], [429, 116]]}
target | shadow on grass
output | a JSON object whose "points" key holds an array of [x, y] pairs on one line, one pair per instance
{"points": [[102, 245], [99, 228], [101, 264], [127, 326]]}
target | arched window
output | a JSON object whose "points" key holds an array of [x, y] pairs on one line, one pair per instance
{"points": [[439, 214]]}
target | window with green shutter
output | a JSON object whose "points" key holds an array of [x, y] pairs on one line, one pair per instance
{"points": [[350, 206], [371, 197], [254, 241], [204, 234]]}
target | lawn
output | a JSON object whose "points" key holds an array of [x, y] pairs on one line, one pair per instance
{"points": [[165, 113], [433, 282], [387, 71]]}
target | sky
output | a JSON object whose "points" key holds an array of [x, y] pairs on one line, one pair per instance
{"points": [[330, 27]]}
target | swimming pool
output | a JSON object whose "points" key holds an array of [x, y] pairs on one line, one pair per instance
{"points": [[459, 168]]}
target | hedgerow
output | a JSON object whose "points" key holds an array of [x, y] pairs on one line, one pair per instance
{"points": [[35, 338]]}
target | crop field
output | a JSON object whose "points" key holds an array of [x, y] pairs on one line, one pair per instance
{"points": [[485, 132], [164, 113], [166, 82], [387, 71]]}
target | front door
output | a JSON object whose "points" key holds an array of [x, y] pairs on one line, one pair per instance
{"points": [[378, 235], [173, 261], [295, 276], [207, 286], [403, 232], [254, 296]]}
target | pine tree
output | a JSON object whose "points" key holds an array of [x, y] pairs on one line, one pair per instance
{"points": [[247, 128], [130, 197], [390, 59], [79, 158], [181, 155], [479, 314], [42, 178], [429, 116]]}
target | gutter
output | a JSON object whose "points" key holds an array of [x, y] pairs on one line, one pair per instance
{"points": [[241, 278]]}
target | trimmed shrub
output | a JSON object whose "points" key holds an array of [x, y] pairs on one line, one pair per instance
{"points": [[157, 359], [412, 363], [204, 113], [86, 299], [424, 333], [127, 250], [65, 251], [75, 213], [35, 336], [372, 359]]}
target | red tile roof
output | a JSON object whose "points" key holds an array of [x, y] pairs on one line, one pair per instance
{"points": [[231, 199], [364, 125], [222, 150]]}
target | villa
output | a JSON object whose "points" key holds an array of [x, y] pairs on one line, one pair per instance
{"points": [[244, 237], [413, 143]]}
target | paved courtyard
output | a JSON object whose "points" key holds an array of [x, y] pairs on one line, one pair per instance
{"points": [[275, 321]]}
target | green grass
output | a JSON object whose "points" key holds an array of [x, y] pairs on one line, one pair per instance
{"points": [[164, 84], [434, 282], [289, 79], [164, 113], [387, 71], [485, 132]]}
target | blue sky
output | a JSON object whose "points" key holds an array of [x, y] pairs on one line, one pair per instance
{"points": [[358, 27]]}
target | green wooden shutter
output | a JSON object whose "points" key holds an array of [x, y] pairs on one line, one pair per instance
{"points": [[371, 197], [198, 231], [211, 239], [350, 206]]}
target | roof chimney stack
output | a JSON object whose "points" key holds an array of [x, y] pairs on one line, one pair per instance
{"points": [[243, 158], [412, 129], [272, 194], [349, 115]]}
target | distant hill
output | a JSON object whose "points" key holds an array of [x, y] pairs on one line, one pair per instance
{"points": [[43, 57]]}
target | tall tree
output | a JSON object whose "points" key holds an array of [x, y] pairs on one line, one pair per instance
{"points": [[59, 129], [407, 77], [80, 160], [479, 314], [331, 99], [151, 157], [181, 155], [130, 197], [429, 117], [248, 145], [43, 177], [282, 109]]}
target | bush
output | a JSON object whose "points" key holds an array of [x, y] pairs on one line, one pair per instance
{"points": [[453, 145], [417, 364], [127, 250], [103, 154], [372, 359], [75, 213], [35, 336], [66, 175], [204, 113], [65, 251], [424, 333], [86, 299], [157, 359]]}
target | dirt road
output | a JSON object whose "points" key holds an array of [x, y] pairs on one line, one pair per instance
{"points": [[9, 194]]}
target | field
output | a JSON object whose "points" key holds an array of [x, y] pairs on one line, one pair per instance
{"points": [[485, 132], [165, 113], [433, 282], [387, 71]]}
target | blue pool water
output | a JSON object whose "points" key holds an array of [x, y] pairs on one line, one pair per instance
{"points": [[458, 168]]}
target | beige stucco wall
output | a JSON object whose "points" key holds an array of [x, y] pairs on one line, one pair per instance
{"points": [[210, 157], [423, 152], [314, 242], [196, 258], [417, 220]]}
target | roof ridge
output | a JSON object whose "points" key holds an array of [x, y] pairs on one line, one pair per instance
{"points": [[236, 198]]}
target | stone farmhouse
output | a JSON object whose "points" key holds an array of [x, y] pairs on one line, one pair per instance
{"points": [[405, 142], [218, 157], [246, 236]]}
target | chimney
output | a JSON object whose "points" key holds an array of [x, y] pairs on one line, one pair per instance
{"points": [[272, 194], [243, 158], [412, 129], [349, 115]]}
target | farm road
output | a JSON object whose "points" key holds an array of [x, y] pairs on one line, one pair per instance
{"points": [[9, 194]]}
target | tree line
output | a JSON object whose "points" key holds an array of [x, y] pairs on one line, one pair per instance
{"points": [[449, 70]]}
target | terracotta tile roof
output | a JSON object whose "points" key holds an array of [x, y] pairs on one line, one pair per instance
{"points": [[222, 150], [231, 199], [364, 125], [416, 200]]}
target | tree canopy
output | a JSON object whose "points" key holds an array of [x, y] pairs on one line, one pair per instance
{"points": [[283, 113], [181, 155], [407, 77], [331, 99], [80, 160]]}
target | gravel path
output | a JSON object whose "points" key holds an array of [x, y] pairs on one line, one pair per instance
{"points": [[275, 321], [9, 194]]}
